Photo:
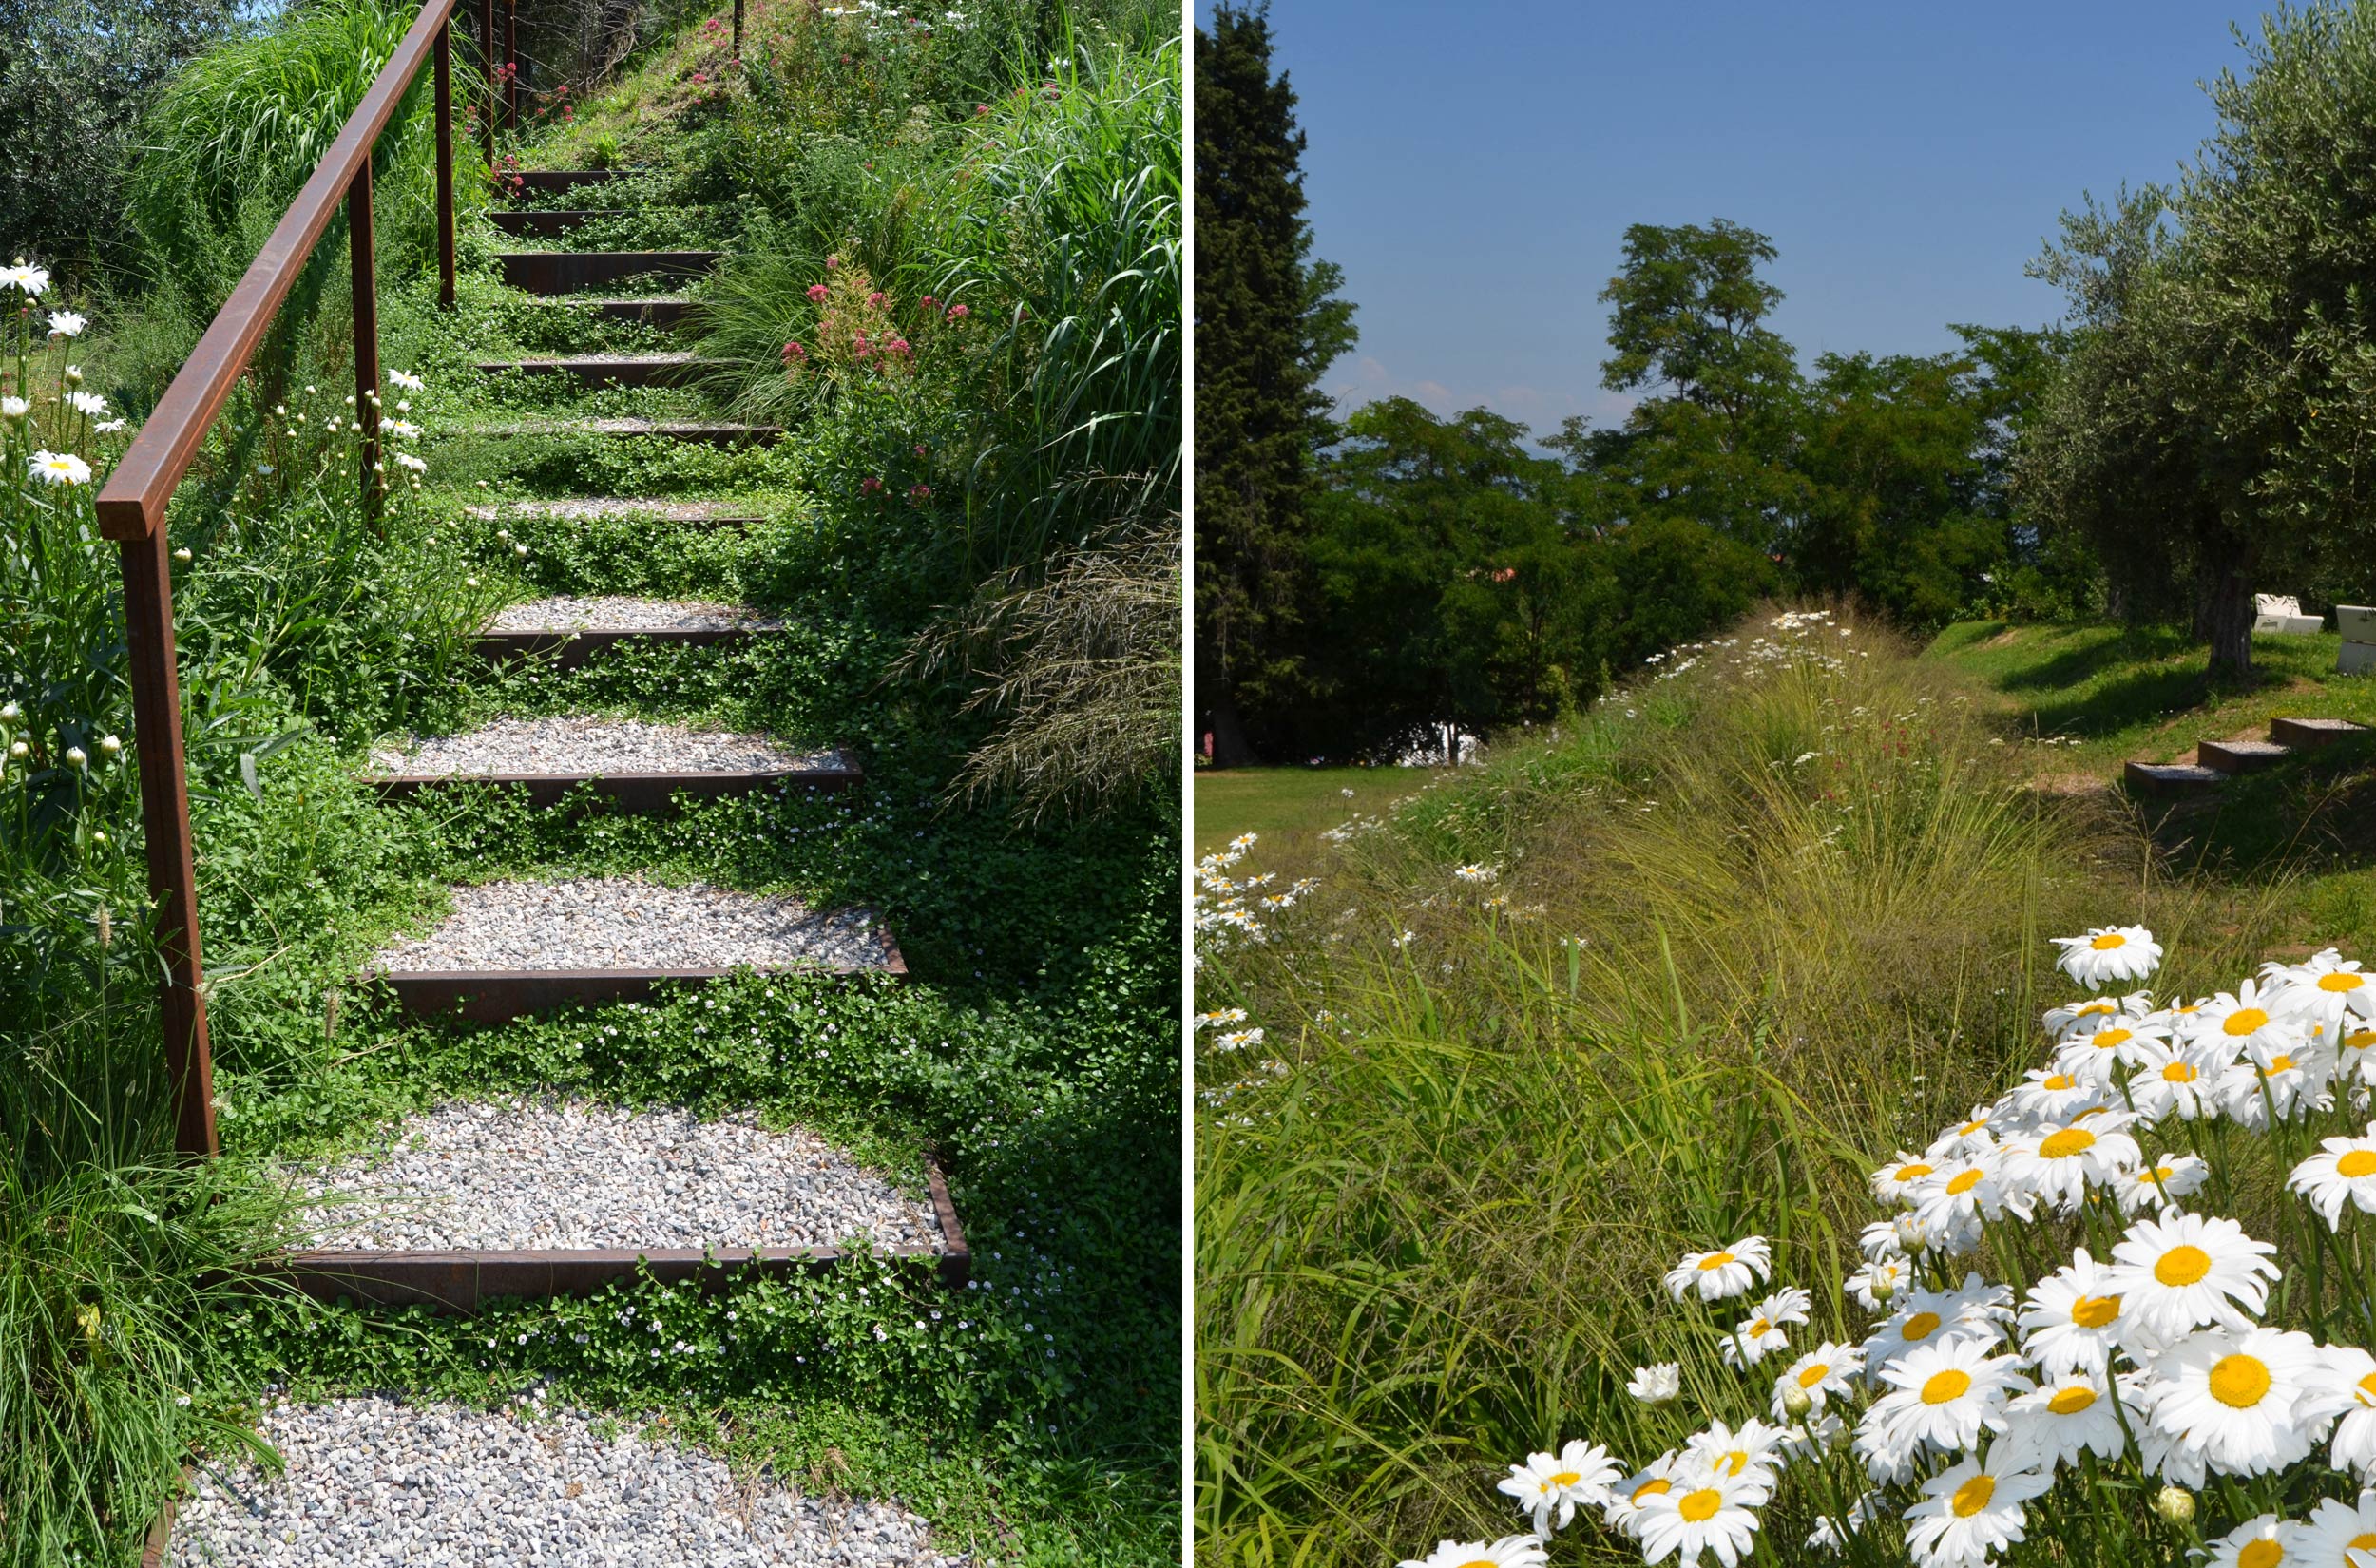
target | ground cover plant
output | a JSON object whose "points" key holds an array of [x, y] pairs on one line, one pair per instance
{"points": [[1032, 1417], [1710, 952]]}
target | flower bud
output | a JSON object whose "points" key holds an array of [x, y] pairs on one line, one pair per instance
{"points": [[520, 551], [2175, 1506], [11, 713], [76, 757], [74, 375], [1796, 1401], [18, 749], [183, 555], [110, 744]]}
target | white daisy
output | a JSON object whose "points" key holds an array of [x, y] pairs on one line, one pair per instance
{"points": [[2249, 1013], [2331, 987], [59, 469], [2178, 1272], [1660, 1384], [1473, 872], [14, 408], [2288, 1077], [31, 281], [1972, 1510], [2109, 953], [1877, 1284], [2250, 1403], [2062, 1417], [1722, 1274], [2263, 1542], [400, 379], [1707, 1513], [2343, 1172], [1820, 1376], [66, 324], [2338, 1534], [2356, 1052], [2070, 1319], [1623, 1511], [1976, 1311], [1550, 1486], [2081, 1017], [2058, 1164], [1762, 1333], [1957, 1196], [1965, 1137], [2120, 1043], [2351, 1372], [406, 460], [1901, 1180], [1940, 1398], [2179, 1078], [2160, 1186], [1748, 1456], [88, 404], [2058, 1094]]}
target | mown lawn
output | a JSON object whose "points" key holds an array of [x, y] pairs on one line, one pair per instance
{"points": [[1291, 807]]}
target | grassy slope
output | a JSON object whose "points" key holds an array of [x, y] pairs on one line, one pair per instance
{"points": [[1291, 807]]}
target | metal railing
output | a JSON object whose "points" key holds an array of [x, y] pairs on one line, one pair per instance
{"points": [[133, 501]]}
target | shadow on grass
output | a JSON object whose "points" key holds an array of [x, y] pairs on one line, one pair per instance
{"points": [[2311, 815], [2075, 666]]}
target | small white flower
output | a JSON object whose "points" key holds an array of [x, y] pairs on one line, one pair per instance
{"points": [[2109, 952], [59, 469], [29, 281], [109, 427], [406, 460], [1662, 1384], [14, 408], [66, 324], [1723, 1272], [403, 379], [88, 404]]}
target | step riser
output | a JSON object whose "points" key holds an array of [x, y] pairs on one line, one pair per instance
{"points": [[2302, 736], [546, 225], [566, 272], [497, 996], [612, 373], [636, 794], [569, 650], [666, 315], [546, 181], [2140, 778], [710, 435], [652, 520], [2229, 758]]}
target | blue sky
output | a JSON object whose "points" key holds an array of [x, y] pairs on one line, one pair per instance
{"points": [[1473, 167]]}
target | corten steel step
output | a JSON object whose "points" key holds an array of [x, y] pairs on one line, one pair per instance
{"points": [[2241, 757], [664, 311], [2170, 778], [614, 369], [2306, 734], [712, 514], [521, 223], [640, 794], [546, 181], [569, 272], [460, 1279], [497, 996], [569, 648], [708, 433]]}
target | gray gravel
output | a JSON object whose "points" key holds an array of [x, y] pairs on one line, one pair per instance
{"points": [[625, 922], [372, 1481], [578, 745], [547, 1174], [619, 506], [623, 613]]}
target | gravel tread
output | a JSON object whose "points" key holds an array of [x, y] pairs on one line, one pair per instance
{"points": [[374, 1481], [593, 506], [534, 1175], [627, 613], [581, 747], [627, 923]]}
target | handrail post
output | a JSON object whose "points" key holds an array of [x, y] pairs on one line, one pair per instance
{"points": [[445, 166], [365, 333], [166, 825], [494, 82]]}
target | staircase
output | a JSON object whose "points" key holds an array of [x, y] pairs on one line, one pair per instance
{"points": [[2217, 761]]}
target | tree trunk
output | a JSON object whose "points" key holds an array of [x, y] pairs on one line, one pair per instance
{"points": [[2226, 618], [1230, 749]]}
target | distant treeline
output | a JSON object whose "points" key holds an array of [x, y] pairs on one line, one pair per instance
{"points": [[2191, 431]]}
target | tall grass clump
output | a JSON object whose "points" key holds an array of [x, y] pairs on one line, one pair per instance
{"points": [[1688, 967]]}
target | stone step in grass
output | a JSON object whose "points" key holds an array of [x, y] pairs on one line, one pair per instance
{"points": [[705, 431], [558, 1174], [376, 1480], [571, 630], [548, 223], [614, 369], [513, 948], [667, 312], [2240, 757], [715, 514], [571, 272], [2170, 778], [635, 765], [2307, 734]]}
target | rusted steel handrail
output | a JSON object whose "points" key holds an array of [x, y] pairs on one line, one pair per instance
{"points": [[132, 507]]}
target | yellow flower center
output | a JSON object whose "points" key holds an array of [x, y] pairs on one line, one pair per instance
{"points": [[2095, 1311], [2092, 1009], [2364, 1542], [2179, 1072], [2182, 1265], [2262, 1553], [2280, 1062], [2110, 940], [1978, 1121], [1820, 1370], [1651, 1488], [2245, 1019], [1714, 1261], [1914, 1171], [1566, 1477], [2070, 1402], [2360, 1040], [2341, 981], [2062, 1145], [2368, 1389], [1919, 1326], [1964, 1182], [2105, 1040], [2239, 1382], [2058, 1080], [1733, 1463], [1973, 1496], [2356, 1163], [1949, 1384], [1700, 1506], [1759, 1328]]}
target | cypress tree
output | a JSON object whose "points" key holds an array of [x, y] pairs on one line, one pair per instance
{"points": [[1267, 326]]}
